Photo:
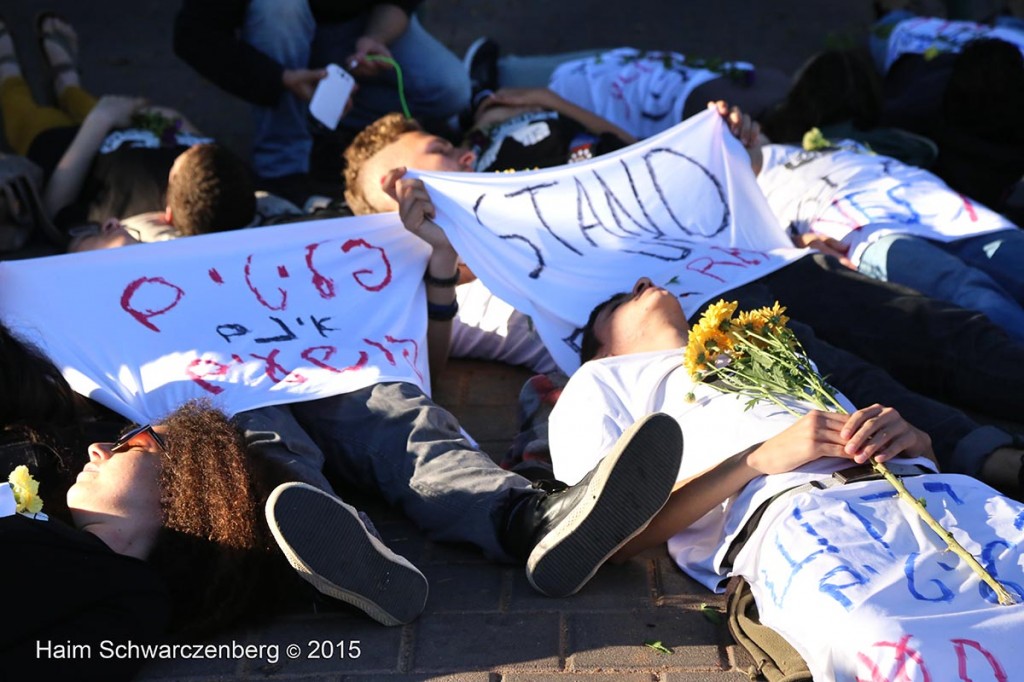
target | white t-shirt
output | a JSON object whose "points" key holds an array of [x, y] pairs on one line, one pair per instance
{"points": [[641, 92], [855, 196], [923, 34], [605, 397], [488, 328]]}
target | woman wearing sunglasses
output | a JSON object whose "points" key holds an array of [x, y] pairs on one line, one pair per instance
{"points": [[165, 533]]}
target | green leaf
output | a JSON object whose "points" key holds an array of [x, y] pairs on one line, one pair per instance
{"points": [[711, 614], [658, 646]]}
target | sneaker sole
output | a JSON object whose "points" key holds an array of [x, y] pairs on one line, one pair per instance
{"points": [[326, 542], [632, 483]]}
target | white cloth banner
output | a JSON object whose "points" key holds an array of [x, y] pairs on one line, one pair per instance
{"points": [[855, 196], [682, 208], [921, 34], [265, 316]]}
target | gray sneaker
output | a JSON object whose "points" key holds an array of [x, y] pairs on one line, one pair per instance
{"points": [[578, 528], [327, 543]]}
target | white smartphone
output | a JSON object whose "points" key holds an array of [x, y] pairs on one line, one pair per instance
{"points": [[331, 95]]}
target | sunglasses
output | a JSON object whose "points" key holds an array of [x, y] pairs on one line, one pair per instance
{"points": [[122, 443]]}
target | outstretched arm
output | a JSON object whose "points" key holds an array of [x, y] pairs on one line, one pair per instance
{"points": [[112, 111], [417, 213], [873, 431], [547, 99]]}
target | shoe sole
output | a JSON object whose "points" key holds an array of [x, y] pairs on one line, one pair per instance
{"points": [[326, 542], [631, 485]]}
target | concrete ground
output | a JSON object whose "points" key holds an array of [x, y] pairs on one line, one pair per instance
{"points": [[482, 621]]}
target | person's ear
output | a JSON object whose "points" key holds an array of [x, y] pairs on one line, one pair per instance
{"points": [[168, 216]]}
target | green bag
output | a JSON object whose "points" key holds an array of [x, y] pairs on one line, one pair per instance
{"points": [[774, 658]]}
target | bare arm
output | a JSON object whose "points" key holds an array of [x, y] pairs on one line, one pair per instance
{"points": [[873, 431], [547, 99], [112, 111]]}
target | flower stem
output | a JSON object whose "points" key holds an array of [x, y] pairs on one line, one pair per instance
{"points": [[1005, 598]]}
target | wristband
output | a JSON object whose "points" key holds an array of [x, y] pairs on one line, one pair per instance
{"points": [[446, 283], [440, 312]]}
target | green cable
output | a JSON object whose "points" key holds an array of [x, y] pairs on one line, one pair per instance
{"points": [[398, 72]]}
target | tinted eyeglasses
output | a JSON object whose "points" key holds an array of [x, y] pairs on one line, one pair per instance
{"points": [[122, 443]]}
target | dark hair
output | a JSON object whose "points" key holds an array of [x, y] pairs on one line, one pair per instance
{"points": [[985, 93], [832, 87], [367, 143], [214, 550], [590, 345], [211, 190], [32, 391]]}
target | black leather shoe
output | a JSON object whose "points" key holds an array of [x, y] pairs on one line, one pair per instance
{"points": [[574, 530]]}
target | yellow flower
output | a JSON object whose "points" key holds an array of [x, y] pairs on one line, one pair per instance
{"points": [[26, 490], [750, 321], [718, 315], [814, 140]]}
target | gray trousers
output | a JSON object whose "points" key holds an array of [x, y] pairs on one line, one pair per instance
{"points": [[393, 439]]}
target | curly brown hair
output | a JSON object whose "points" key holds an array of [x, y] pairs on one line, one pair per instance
{"points": [[367, 143], [211, 190], [214, 551]]}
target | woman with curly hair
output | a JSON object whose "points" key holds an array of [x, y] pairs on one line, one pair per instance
{"points": [[166, 534]]}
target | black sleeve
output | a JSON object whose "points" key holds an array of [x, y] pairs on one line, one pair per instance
{"points": [[206, 37]]}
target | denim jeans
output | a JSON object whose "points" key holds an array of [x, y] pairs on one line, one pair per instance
{"points": [[948, 353], [436, 84], [981, 273], [391, 438]]}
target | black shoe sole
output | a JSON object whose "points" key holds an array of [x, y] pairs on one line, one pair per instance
{"points": [[632, 483], [326, 542]]}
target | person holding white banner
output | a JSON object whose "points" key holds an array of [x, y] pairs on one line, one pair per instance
{"points": [[883, 590]]}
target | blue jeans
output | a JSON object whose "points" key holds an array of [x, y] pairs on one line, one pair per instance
{"points": [[980, 273], [391, 438], [436, 84]]}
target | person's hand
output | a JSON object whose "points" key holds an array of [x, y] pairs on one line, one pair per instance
{"points": [[357, 63], [744, 128], [881, 432], [827, 245], [302, 82], [416, 209], [116, 110], [815, 435], [518, 97]]}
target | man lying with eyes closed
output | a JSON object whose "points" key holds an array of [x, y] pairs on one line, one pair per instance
{"points": [[836, 545]]}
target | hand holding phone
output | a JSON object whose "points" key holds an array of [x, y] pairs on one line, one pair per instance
{"points": [[331, 96]]}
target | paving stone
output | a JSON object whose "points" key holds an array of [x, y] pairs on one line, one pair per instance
{"points": [[423, 677], [612, 587], [487, 641], [458, 587], [331, 643], [704, 676], [616, 641], [576, 675], [672, 586]]}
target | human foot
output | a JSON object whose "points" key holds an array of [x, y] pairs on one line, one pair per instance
{"points": [[8, 59], [59, 44]]}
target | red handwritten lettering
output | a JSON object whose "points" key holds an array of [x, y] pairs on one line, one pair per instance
{"points": [[323, 283], [215, 276], [353, 243], [328, 353], [282, 272], [405, 352], [902, 672], [143, 316], [256, 292], [388, 355], [960, 646], [209, 368], [971, 213], [276, 371]]}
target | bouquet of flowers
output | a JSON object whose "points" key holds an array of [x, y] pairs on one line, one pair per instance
{"points": [[26, 491], [756, 355]]}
